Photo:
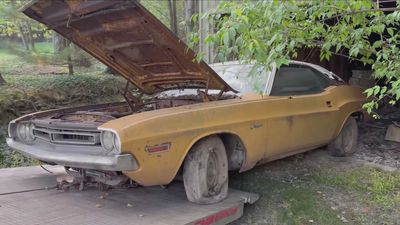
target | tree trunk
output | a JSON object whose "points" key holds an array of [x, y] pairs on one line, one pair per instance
{"points": [[30, 37], [190, 10], [23, 36], [69, 58], [60, 44], [172, 14], [2, 81], [70, 65]]}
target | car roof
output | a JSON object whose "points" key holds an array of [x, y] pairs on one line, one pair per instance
{"points": [[236, 62]]}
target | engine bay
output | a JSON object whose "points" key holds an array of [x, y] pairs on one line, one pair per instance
{"points": [[112, 111]]}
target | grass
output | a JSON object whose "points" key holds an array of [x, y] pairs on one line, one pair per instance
{"points": [[283, 201], [303, 206], [40, 47], [374, 186], [9, 62], [316, 190], [39, 92], [44, 48]]}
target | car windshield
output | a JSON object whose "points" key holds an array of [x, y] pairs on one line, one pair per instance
{"points": [[244, 78]]}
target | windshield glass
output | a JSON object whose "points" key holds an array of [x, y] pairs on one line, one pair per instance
{"points": [[244, 78]]}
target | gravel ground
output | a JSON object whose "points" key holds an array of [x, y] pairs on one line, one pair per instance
{"points": [[315, 188], [374, 149]]}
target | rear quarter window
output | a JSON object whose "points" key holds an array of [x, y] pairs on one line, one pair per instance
{"points": [[299, 80]]}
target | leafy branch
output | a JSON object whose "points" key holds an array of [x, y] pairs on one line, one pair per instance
{"points": [[270, 32]]}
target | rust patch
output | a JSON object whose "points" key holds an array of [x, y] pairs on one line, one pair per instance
{"points": [[73, 4], [126, 37], [158, 148], [120, 25], [289, 120]]}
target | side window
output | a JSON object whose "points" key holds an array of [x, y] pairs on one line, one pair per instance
{"points": [[298, 80]]}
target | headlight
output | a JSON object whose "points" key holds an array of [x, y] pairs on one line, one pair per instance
{"points": [[21, 132], [25, 132], [110, 142]]}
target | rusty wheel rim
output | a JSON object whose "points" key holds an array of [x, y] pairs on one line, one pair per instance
{"points": [[212, 171]]}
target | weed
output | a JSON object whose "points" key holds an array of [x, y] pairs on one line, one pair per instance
{"points": [[303, 206], [381, 187], [282, 202]]}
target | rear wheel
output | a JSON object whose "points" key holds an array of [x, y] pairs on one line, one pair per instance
{"points": [[345, 143], [205, 172]]}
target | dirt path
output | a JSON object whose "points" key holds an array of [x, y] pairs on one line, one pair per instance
{"points": [[315, 188]]}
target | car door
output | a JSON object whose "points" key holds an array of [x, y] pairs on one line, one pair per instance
{"points": [[309, 121]]}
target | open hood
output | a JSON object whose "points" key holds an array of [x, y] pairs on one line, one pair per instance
{"points": [[126, 37]]}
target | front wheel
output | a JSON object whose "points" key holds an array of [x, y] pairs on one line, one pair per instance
{"points": [[345, 143], [205, 172]]}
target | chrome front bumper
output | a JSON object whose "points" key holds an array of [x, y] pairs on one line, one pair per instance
{"points": [[65, 156]]}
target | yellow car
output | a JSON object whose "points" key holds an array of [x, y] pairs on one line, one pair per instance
{"points": [[191, 118]]}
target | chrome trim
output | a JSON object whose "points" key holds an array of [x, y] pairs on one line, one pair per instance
{"points": [[52, 135], [115, 133], [66, 157], [12, 126], [270, 81]]}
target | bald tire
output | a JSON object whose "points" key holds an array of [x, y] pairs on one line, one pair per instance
{"points": [[345, 143], [205, 172]]}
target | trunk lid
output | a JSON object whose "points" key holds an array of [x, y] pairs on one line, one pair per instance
{"points": [[126, 37]]}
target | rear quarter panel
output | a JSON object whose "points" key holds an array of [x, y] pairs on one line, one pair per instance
{"points": [[349, 99]]}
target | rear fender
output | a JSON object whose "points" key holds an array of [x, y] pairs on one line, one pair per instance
{"points": [[355, 113]]}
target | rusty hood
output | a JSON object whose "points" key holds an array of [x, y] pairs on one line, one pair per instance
{"points": [[126, 37]]}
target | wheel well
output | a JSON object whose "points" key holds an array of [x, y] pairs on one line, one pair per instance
{"points": [[235, 150], [359, 115], [234, 147]]}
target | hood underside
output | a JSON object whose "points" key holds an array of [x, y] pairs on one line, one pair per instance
{"points": [[126, 37]]}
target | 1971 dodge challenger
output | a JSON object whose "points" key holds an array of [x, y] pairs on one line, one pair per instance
{"points": [[190, 118]]}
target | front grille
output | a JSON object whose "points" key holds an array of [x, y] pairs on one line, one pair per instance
{"points": [[60, 136]]}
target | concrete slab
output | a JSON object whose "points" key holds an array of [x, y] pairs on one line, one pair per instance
{"points": [[25, 199], [393, 133]]}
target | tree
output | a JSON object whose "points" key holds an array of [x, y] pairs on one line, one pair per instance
{"points": [[17, 23], [270, 32], [13, 24], [172, 16], [62, 50], [191, 8]]}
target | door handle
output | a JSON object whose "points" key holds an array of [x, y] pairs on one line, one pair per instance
{"points": [[329, 103]]}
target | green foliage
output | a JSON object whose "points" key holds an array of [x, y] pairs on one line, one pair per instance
{"points": [[286, 197], [29, 93], [14, 23], [270, 32], [25, 94], [54, 90], [44, 48], [161, 11], [9, 50], [383, 188], [301, 203]]}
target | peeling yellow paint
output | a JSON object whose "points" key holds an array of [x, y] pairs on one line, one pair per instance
{"points": [[289, 126]]}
